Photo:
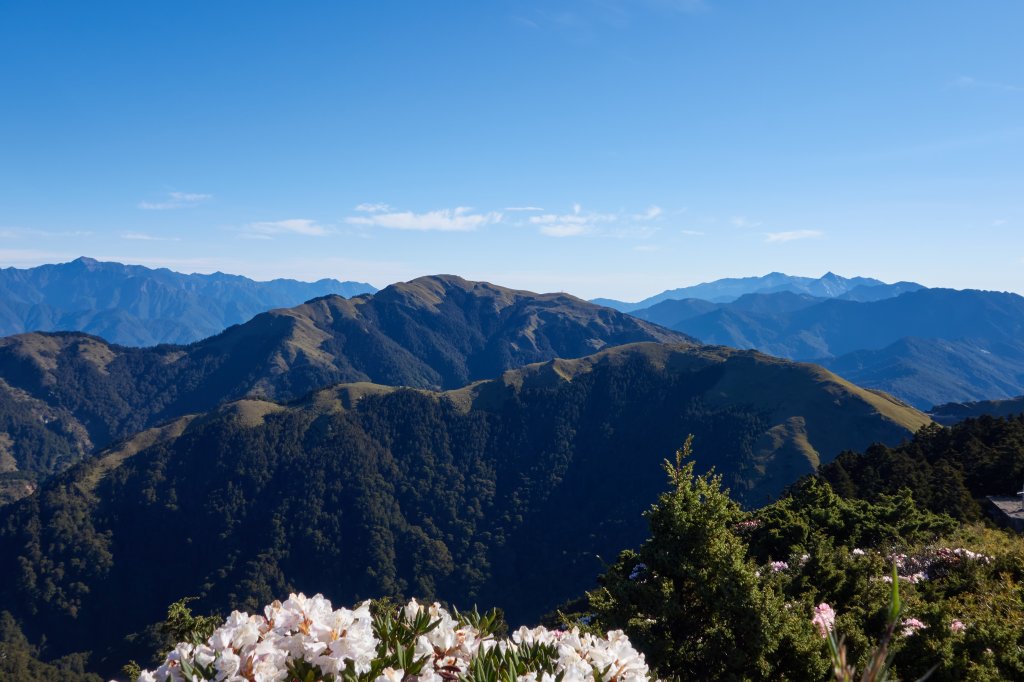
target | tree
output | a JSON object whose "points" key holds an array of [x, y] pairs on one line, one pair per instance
{"points": [[692, 601]]}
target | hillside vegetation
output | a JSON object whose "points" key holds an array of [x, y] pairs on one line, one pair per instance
{"points": [[64, 394], [504, 492]]}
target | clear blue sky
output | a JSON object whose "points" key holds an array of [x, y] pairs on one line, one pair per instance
{"points": [[663, 142]]}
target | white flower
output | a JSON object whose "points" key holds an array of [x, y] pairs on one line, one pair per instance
{"points": [[391, 675], [261, 648]]}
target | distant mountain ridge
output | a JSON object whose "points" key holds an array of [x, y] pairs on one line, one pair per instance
{"points": [[925, 346], [133, 305], [953, 413], [64, 394], [727, 290]]}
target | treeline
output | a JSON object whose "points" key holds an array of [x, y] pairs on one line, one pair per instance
{"points": [[949, 470]]}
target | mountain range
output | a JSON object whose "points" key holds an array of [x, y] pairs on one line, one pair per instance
{"points": [[924, 346], [133, 305], [506, 491], [829, 285], [954, 413], [64, 394]]}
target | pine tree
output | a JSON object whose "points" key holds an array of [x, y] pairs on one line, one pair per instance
{"points": [[692, 601]]}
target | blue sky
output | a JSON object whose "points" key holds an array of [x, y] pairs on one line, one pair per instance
{"points": [[603, 147]]}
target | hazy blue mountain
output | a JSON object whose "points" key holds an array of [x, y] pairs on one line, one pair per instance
{"points": [[953, 413], [926, 346], [134, 305], [927, 372], [727, 290], [671, 312], [877, 292]]}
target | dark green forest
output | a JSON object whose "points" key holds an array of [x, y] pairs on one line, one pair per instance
{"points": [[949, 470], [508, 493]]}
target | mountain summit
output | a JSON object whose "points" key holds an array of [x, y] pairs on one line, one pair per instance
{"points": [[63, 394]]}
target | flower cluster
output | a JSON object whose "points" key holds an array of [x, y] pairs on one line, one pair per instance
{"points": [[930, 564], [304, 638], [584, 657], [259, 648], [824, 619], [911, 626]]}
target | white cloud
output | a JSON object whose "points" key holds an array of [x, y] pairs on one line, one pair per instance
{"points": [[998, 222], [743, 221], [791, 235], [373, 208], [139, 236], [969, 82], [569, 224], [459, 219], [176, 200], [301, 226], [20, 233], [651, 213], [524, 208], [563, 230], [32, 256]]}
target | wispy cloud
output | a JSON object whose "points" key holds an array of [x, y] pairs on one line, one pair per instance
{"points": [[744, 222], [32, 256], [20, 232], [140, 236], [459, 219], [373, 208], [692, 233], [524, 208], [646, 248], [572, 224], [301, 226], [969, 82], [652, 213], [791, 235], [176, 200]]}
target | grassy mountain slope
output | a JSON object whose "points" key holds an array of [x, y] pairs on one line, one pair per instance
{"points": [[138, 306], [503, 492], [74, 390]]}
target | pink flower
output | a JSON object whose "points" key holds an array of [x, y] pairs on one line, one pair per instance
{"points": [[957, 626], [779, 566], [824, 619], [911, 626]]}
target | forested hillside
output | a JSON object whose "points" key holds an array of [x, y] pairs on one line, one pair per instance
{"points": [[63, 394], [950, 470], [504, 493]]}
